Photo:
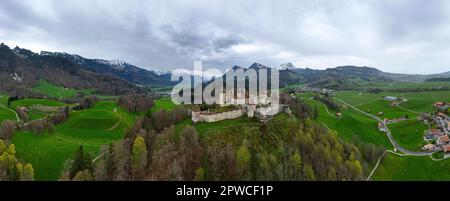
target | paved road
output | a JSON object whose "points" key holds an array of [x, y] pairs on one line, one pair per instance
{"points": [[443, 126], [388, 133]]}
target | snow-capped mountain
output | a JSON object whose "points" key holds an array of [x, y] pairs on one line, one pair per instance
{"points": [[116, 64], [22, 69], [160, 72], [287, 66], [258, 66], [117, 68]]}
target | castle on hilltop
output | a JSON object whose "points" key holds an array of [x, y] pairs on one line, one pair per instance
{"points": [[260, 107]]}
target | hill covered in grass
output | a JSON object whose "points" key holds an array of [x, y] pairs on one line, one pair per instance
{"points": [[100, 125]]}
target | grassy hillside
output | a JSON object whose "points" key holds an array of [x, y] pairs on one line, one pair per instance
{"points": [[409, 133], [5, 113], [412, 168], [163, 103], [242, 122], [390, 112], [353, 125], [423, 101], [46, 152], [102, 124], [54, 91], [417, 101], [357, 98], [31, 102]]}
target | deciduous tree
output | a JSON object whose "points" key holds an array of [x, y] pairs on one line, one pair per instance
{"points": [[139, 156], [7, 129]]}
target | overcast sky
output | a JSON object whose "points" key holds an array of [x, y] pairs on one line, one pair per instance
{"points": [[406, 36]]}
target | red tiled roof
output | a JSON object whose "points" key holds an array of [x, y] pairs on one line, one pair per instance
{"points": [[444, 138], [439, 103], [434, 131], [446, 148], [429, 146]]}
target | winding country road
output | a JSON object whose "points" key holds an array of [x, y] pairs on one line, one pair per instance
{"points": [[388, 133]]}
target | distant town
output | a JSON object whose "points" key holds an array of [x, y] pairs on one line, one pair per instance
{"points": [[437, 136]]}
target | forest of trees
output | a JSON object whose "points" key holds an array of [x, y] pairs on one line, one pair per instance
{"points": [[299, 108], [328, 102], [164, 119], [135, 102], [7, 129], [87, 102]]}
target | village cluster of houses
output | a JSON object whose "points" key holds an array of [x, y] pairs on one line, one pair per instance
{"points": [[323, 91], [439, 122]]}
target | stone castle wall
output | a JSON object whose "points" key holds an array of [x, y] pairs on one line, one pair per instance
{"points": [[203, 117], [262, 113]]}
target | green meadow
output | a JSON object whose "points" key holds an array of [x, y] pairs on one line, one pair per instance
{"points": [[5, 112], [353, 125], [412, 168], [47, 153], [163, 103], [54, 91], [409, 133], [416, 101], [102, 124], [31, 102], [388, 111], [423, 101]]}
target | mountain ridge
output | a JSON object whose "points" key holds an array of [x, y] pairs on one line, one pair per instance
{"points": [[21, 69], [118, 68]]}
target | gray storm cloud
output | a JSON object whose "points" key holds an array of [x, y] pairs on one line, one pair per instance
{"points": [[409, 36]]}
